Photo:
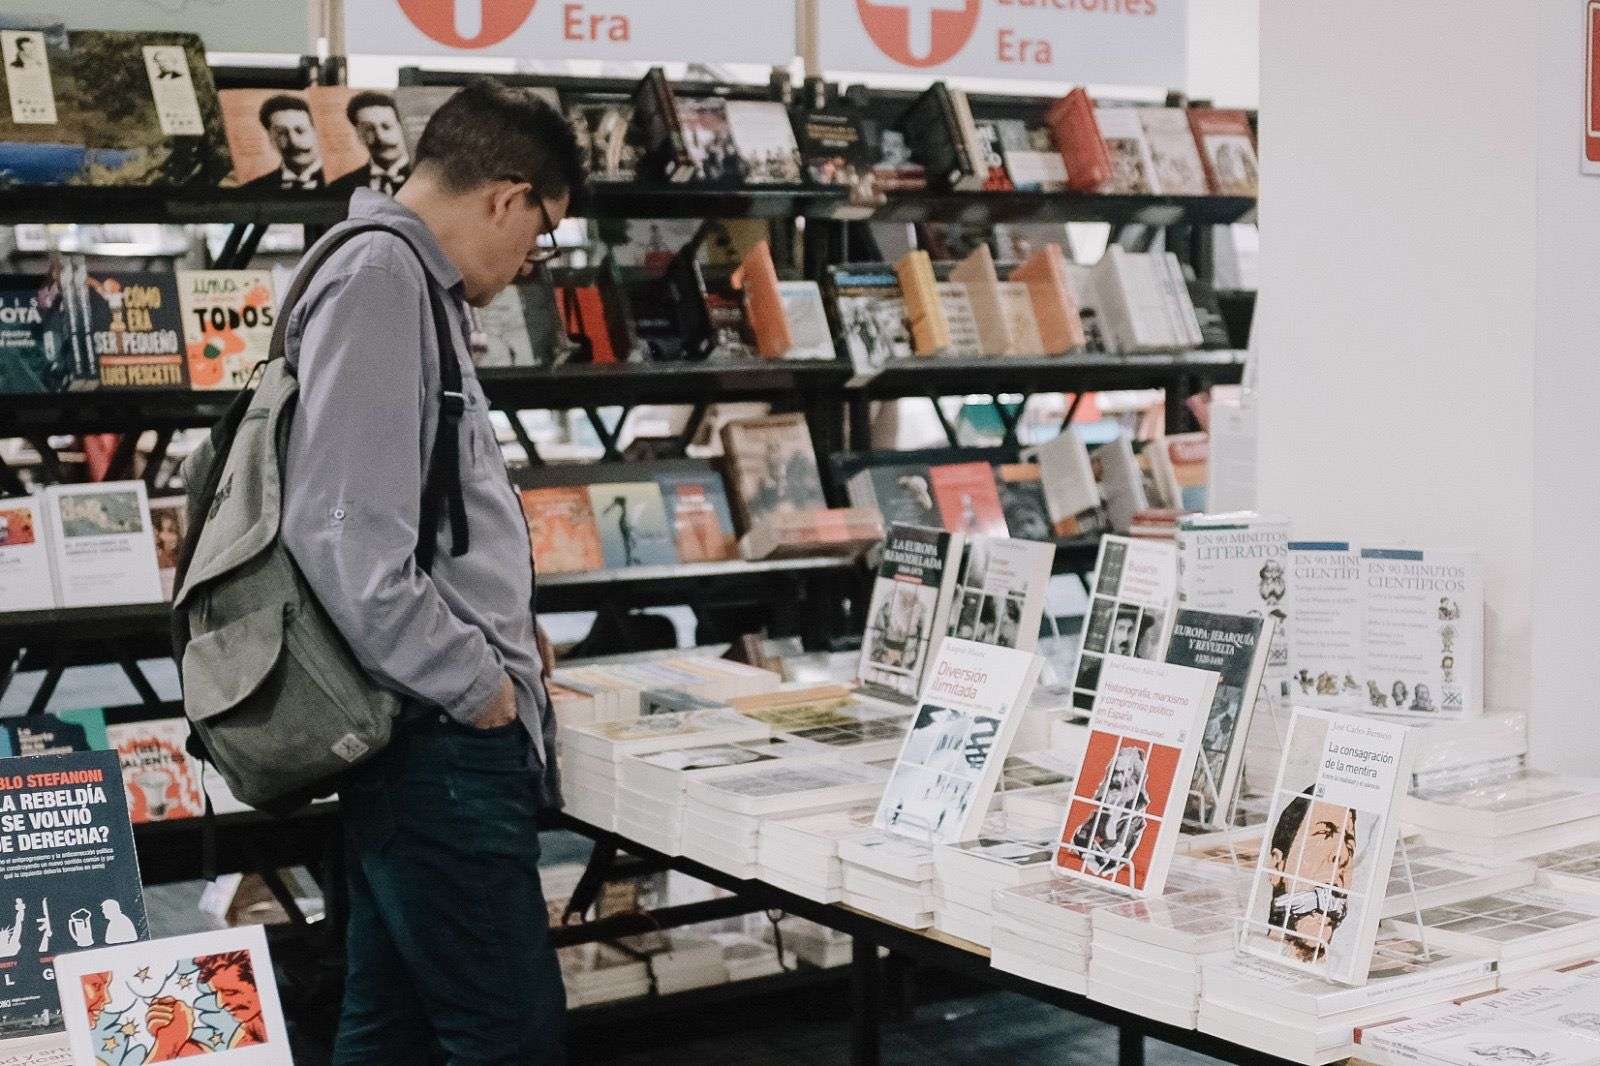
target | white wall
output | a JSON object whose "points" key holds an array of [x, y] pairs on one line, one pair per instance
{"points": [[1224, 51], [1396, 326]]}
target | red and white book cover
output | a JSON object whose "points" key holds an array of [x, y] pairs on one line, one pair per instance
{"points": [[1227, 150], [967, 499], [1126, 809]]}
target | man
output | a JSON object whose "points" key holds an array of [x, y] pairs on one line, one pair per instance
{"points": [[22, 52], [287, 120], [377, 123], [1313, 854], [231, 978], [447, 929]]}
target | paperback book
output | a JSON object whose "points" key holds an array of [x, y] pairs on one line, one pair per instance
{"points": [[163, 780], [25, 581], [1135, 589], [1320, 882], [901, 492], [698, 514], [1022, 501], [967, 499], [872, 317], [564, 532], [1000, 592], [31, 360], [102, 549], [228, 317], [1129, 793], [1235, 564], [911, 600], [772, 467], [633, 524]]}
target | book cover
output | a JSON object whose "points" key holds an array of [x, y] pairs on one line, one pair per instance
{"points": [[1126, 811], [1424, 630], [1182, 461], [1032, 160], [925, 311], [1134, 593], [909, 605], [932, 128], [772, 468], [660, 131], [945, 774], [1022, 500], [602, 131], [30, 358], [161, 777], [132, 327], [1067, 480], [1132, 168], [1227, 150], [61, 733], [632, 518], [767, 151], [1085, 284], [1235, 649], [584, 323], [808, 321], [1077, 133], [502, 337], [1055, 307], [967, 499], [757, 279], [169, 520], [415, 105], [565, 534], [43, 131], [204, 995], [834, 151], [699, 516], [961, 318], [872, 318], [363, 141], [1178, 171], [273, 140], [1234, 564], [1116, 471], [977, 275], [992, 159], [1022, 323], [228, 317], [1318, 890], [102, 547], [902, 493], [1000, 591], [70, 862], [1327, 660], [708, 137], [25, 582]]}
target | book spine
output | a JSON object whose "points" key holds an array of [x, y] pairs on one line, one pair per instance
{"points": [[1187, 318]]}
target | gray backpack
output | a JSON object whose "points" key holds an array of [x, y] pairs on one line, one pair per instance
{"points": [[275, 698]]}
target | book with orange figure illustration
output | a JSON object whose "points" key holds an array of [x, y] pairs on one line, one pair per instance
{"points": [[562, 526], [228, 317]]}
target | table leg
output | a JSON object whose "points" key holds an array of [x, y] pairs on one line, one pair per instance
{"points": [[866, 1001], [1130, 1047]]}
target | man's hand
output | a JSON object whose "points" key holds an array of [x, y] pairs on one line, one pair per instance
{"points": [[547, 651], [171, 1022], [501, 708]]}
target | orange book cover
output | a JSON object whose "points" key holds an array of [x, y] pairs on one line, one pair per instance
{"points": [[968, 500], [1227, 149], [1078, 136], [342, 149], [757, 277], [1054, 305], [561, 525], [919, 288], [583, 314], [273, 139]]}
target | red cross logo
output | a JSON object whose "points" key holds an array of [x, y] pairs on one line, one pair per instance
{"points": [[919, 33]]}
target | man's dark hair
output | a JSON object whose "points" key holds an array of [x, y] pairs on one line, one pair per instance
{"points": [[368, 98], [1290, 819], [211, 965], [490, 132], [281, 102]]}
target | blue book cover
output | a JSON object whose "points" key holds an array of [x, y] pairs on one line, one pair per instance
{"points": [[698, 515], [633, 524], [29, 353], [56, 734]]}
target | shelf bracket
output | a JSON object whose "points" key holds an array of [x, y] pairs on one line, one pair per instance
{"points": [[521, 433], [608, 437]]}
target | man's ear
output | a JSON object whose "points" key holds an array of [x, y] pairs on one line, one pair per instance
{"points": [[504, 198]]}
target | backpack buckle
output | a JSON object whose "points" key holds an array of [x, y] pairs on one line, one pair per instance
{"points": [[454, 404]]}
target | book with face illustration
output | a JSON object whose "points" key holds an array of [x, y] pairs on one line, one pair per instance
{"points": [[1133, 594], [1319, 886]]}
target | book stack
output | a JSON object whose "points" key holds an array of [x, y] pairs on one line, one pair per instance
{"points": [[967, 875], [801, 854], [1465, 750], [1143, 302], [1146, 956], [748, 957], [600, 973], [690, 961], [621, 691], [890, 876], [1515, 815], [1523, 931], [1281, 1012], [1575, 869], [722, 814], [1423, 876], [1035, 785], [831, 719], [590, 754], [1547, 1018], [650, 788], [845, 532], [816, 945]]}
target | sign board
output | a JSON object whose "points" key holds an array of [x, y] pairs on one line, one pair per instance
{"points": [[1119, 42], [224, 25], [704, 31], [1591, 91]]}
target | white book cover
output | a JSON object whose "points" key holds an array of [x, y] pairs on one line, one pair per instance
{"points": [[1320, 881], [764, 138], [1131, 607], [1326, 659], [611, 741], [1504, 805], [1116, 471], [1126, 813], [788, 785], [1092, 313], [808, 320], [1511, 925], [1574, 869], [1424, 630], [25, 581], [972, 704], [206, 995], [1132, 167], [101, 544], [1177, 167], [1022, 320], [909, 609], [966, 338], [1234, 564], [1067, 475], [1000, 591]]}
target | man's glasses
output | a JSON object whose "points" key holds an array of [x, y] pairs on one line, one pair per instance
{"points": [[545, 248]]}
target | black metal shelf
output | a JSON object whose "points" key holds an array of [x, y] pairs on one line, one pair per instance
{"points": [[627, 384], [940, 376], [170, 852], [1119, 210]]}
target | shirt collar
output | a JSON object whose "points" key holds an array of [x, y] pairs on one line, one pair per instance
{"points": [[371, 206]]}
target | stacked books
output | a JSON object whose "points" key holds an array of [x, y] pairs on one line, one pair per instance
{"points": [[830, 718], [891, 877], [1035, 785], [816, 945], [690, 961], [1524, 930], [1575, 870], [722, 814], [968, 874], [1282, 1012], [651, 788], [748, 957], [590, 754], [1514, 815], [618, 691], [599, 973], [801, 854], [1146, 956]]}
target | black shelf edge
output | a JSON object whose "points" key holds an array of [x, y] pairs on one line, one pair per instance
{"points": [[575, 385], [942, 376], [980, 207]]}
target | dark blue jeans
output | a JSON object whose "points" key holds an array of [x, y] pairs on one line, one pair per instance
{"points": [[448, 937]]}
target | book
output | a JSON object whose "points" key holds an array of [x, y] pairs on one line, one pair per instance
{"points": [[1116, 472], [1067, 477], [1575, 869], [935, 133], [925, 311], [593, 311], [1132, 167], [632, 518], [1523, 929], [1134, 593], [659, 130], [1234, 564], [1085, 282], [966, 335], [273, 140], [217, 989], [30, 359], [992, 159], [1227, 150], [228, 317], [102, 550], [1016, 303], [834, 152], [1502, 805], [25, 579], [977, 273], [967, 499], [970, 709], [69, 855], [169, 521], [708, 138], [1318, 890], [43, 131], [1132, 784], [1000, 591], [907, 613], [808, 321], [1022, 501], [1130, 305], [764, 140], [772, 468], [1181, 463], [872, 317], [844, 532], [1076, 128], [362, 137], [162, 778], [698, 514], [602, 131], [901, 492], [501, 336], [1176, 164], [1235, 648], [564, 532], [61, 733], [1032, 161], [131, 329]]}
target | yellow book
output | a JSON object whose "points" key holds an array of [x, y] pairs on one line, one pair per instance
{"points": [[930, 330]]}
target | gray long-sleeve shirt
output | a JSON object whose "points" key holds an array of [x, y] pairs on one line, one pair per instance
{"points": [[365, 351]]}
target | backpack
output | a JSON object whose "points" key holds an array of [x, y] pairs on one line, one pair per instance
{"points": [[275, 698]]}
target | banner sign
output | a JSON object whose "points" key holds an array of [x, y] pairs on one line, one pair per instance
{"points": [[224, 25], [701, 31], [1119, 42]]}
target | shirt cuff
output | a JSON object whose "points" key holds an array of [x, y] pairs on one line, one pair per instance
{"points": [[491, 675]]}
